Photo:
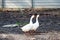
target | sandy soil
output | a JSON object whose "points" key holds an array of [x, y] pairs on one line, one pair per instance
{"points": [[42, 36]]}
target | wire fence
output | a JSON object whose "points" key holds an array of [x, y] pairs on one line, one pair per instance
{"points": [[29, 4]]}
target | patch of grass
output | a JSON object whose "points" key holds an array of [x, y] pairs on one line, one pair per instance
{"points": [[21, 23], [25, 23], [18, 23]]}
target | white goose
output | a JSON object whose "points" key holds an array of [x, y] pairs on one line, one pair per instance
{"points": [[36, 24], [28, 27]]}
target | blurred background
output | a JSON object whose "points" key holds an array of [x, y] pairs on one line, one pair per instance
{"points": [[18, 11]]}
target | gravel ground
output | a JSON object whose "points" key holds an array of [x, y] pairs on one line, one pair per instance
{"points": [[47, 24]]}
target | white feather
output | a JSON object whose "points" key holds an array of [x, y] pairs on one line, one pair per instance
{"points": [[36, 24], [10, 25], [29, 26], [26, 27]]}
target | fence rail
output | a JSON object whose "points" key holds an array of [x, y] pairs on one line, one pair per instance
{"points": [[29, 3]]}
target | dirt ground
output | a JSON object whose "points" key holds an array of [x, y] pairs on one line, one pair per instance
{"points": [[42, 36]]}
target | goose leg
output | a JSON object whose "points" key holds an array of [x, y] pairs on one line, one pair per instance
{"points": [[32, 32], [27, 33]]}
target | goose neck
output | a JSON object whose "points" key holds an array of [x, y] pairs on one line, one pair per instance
{"points": [[36, 19], [31, 19]]}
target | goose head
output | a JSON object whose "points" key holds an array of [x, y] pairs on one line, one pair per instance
{"points": [[32, 16], [37, 15]]}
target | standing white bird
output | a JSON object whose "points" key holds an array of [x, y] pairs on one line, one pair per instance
{"points": [[29, 26], [36, 24]]}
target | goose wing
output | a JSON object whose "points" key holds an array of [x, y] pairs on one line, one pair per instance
{"points": [[35, 26], [27, 27]]}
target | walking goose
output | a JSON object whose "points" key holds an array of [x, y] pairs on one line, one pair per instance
{"points": [[36, 24], [28, 27]]}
